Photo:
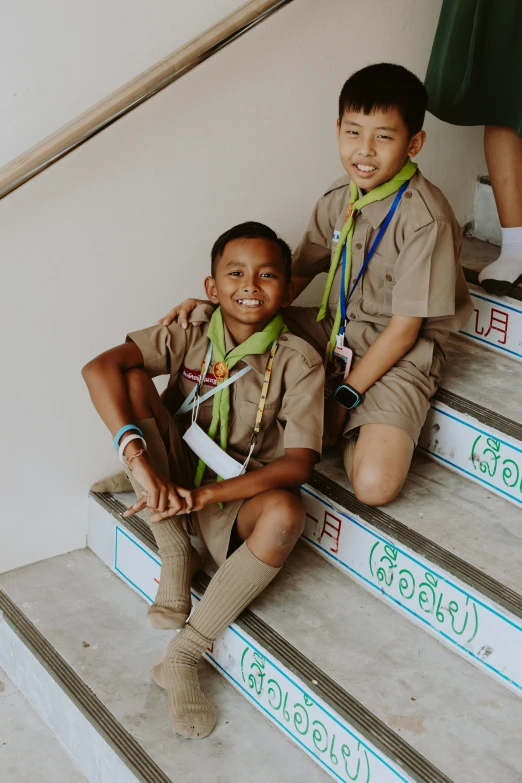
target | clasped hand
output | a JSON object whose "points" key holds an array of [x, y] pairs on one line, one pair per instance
{"points": [[161, 496]]}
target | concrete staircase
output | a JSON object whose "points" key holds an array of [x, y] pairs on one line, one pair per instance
{"points": [[389, 649]]}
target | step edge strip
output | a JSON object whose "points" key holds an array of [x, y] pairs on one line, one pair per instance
{"points": [[491, 419], [371, 727], [103, 721], [503, 596]]}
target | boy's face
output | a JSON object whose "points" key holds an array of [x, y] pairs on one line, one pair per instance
{"points": [[249, 282], [374, 147]]}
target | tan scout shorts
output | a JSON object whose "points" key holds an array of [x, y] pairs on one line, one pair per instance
{"points": [[211, 525], [401, 397]]}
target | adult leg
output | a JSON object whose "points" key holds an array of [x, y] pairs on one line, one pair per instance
{"points": [[503, 148], [377, 462], [179, 560], [269, 524]]}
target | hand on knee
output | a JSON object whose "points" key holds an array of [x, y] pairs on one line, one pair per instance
{"points": [[375, 486]]}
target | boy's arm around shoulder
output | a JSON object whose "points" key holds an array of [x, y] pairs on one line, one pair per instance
{"points": [[302, 415]]}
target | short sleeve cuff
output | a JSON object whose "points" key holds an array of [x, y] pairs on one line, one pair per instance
{"points": [[153, 363], [423, 309], [303, 441]]}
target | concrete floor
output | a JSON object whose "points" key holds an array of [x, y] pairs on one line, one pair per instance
{"points": [[29, 751], [483, 376], [74, 599]]}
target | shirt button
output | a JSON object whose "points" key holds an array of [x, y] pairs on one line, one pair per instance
{"points": [[283, 338], [352, 316], [407, 194], [358, 245], [389, 278]]}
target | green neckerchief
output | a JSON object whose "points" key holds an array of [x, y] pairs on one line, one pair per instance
{"points": [[377, 194], [258, 343]]}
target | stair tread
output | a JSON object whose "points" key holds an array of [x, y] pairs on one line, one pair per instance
{"points": [[476, 253], [28, 749], [485, 377], [459, 515], [430, 696], [74, 598]]}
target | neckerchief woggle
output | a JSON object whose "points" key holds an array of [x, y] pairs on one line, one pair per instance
{"points": [[344, 246], [258, 343]]}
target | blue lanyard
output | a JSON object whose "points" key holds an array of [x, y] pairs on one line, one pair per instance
{"points": [[371, 251]]}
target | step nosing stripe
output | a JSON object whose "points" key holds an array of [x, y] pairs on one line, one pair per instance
{"points": [[100, 717], [481, 414], [504, 596], [471, 276], [371, 727]]}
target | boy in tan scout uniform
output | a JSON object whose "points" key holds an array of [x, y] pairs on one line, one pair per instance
{"points": [[251, 522], [409, 298]]}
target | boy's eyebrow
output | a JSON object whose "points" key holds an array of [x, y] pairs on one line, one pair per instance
{"points": [[379, 127], [271, 264]]}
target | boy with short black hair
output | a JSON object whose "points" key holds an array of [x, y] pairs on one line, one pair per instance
{"points": [[389, 240], [241, 376]]}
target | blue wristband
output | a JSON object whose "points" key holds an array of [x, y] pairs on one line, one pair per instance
{"points": [[122, 431]]}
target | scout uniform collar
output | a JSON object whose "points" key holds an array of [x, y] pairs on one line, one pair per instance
{"points": [[344, 246], [257, 344]]}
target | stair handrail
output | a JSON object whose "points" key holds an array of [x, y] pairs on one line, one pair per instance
{"points": [[63, 141]]}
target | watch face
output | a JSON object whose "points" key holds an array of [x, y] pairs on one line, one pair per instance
{"points": [[346, 396]]}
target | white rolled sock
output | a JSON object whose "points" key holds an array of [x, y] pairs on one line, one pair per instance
{"points": [[508, 266]]}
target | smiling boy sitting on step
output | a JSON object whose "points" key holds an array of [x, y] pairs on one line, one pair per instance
{"points": [[246, 395]]}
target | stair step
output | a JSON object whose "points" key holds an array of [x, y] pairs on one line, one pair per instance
{"points": [[497, 321], [356, 648], [440, 553], [100, 699], [474, 425], [29, 751]]}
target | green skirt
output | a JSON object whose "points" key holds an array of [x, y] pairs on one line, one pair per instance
{"points": [[475, 71]]}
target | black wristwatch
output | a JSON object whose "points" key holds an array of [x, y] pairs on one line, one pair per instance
{"points": [[348, 397]]}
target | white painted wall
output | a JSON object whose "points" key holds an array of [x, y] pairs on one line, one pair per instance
{"points": [[59, 57], [112, 236]]}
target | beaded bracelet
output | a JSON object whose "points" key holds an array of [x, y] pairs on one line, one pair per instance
{"points": [[125, 442], [138, 453]]}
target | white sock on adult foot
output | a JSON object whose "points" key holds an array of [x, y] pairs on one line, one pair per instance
{"points": [[500, 276]]}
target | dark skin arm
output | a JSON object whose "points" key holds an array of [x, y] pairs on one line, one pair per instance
{"points": [[105, 379]]}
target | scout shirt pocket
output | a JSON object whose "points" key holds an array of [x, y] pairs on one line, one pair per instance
{"points": [[377, 286], [268, 437]]}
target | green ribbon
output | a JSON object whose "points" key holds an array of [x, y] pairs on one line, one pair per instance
{"points": [[258, 343], [377, 194]]}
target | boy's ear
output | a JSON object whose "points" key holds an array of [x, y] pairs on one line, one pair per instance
{"points": [[338, 128], [289, 295], [211, 290], [416, 143]]}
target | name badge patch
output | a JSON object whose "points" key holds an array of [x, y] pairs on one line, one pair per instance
{"points": [[336, 236], [193, 375]]}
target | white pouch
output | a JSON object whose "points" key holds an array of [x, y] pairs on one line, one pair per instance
{"points": [[212, 455]]}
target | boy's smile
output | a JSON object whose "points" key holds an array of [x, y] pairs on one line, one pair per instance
{"points": [[374, 147], [249, 284]]}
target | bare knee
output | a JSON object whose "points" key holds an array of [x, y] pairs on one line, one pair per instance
{"points": [[286, 517], [376, 486]]}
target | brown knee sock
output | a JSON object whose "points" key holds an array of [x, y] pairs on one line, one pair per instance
{"points": [[239, 580], [348, 452], [179, 560]]}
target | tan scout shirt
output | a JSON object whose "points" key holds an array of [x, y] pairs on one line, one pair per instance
{"points": [[293, 416], [415, 270]]}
